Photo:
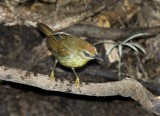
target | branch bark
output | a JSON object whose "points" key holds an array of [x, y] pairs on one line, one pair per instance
{"points": [[127, 87], [113, 76], [47, 13], [109, 33]]}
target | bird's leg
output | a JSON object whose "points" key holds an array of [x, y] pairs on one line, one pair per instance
{"points": [[77, 81], [52, 77]]}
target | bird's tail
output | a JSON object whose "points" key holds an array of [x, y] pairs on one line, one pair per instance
{"points": [[45, 29], [51, 41]]}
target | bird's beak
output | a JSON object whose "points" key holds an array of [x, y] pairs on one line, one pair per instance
{"points": [[98, 58]]}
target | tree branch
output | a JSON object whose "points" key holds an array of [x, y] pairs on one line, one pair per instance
{"points": [[113, 76], [47, 13], [109, 33], [127, 87]]}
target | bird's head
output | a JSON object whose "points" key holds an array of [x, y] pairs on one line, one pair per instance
{"points": [[88, 51]]}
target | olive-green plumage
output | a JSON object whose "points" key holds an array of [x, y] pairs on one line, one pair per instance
{"points": [[67, 49]]}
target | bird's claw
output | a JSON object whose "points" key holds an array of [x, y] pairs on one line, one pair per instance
{"points": [[52, 77], [77, 82]]}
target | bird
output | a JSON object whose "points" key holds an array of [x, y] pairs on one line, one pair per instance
{"points": [[68, 50]]}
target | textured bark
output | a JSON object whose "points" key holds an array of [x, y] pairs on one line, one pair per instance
{"points": [[127, 87], [110, 33], [48, 14]]}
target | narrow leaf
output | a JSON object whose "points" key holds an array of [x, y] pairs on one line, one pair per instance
{"points": [[111, 48], [105, 41], [135, 36], [139, 47], [130, 46], [120, 50]]}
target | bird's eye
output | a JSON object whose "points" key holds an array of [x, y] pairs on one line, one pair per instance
{"points": [[86, 54]]}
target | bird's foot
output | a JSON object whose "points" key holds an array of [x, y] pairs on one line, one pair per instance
{"points": [[77, 82], [51, 78]]}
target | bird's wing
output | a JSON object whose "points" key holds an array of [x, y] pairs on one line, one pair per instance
{"points": [[55, 41], [56, 44]]}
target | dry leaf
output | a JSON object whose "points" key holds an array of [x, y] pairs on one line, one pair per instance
{"points": [[113, 56]]}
